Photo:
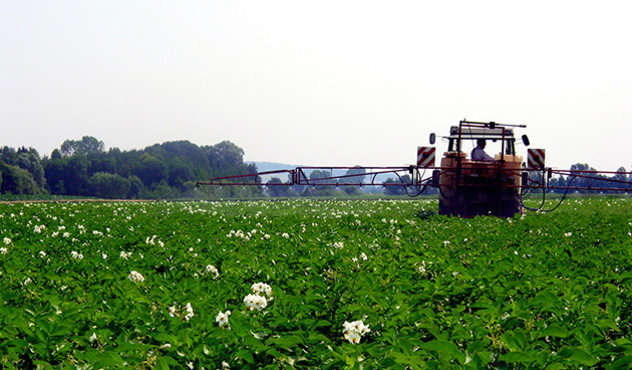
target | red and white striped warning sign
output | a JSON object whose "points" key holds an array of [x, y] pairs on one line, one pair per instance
{"points": [[535, 158], [425, 156]]}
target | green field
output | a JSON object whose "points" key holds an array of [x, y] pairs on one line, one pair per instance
{"points": [[103, 285]]}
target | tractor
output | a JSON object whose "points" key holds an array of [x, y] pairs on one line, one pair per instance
{"points": [[467, 187]]}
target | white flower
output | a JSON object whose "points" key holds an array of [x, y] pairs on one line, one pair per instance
{"points": [[3, 250], [27, 281], [568, 234], [285, 235], [189, 312], [353, 331], [339, 245], [212, 270], [260, 288], [7, 241], [93, 337], [356, 326], [255, 302], [42, 254], [76, 255], [185, 314], [125, 255], [353, 337], [363, 256], [136, 277], [222, 319]]}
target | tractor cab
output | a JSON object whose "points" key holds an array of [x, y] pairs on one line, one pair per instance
{"points": [[459, 135]]}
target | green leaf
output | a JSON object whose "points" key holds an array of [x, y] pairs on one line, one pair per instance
{"points": [[514, 341], [405, 346], [317, 337], [583, 358], [164, 362], [555, 331], [606, 324], [161, 364], [443, 347], [42, 365], [403, 359], [622, 363], [522, 357], [164, 338], [109, 359], [287, 342], [245, 355]]}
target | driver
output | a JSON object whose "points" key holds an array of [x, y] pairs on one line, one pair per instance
{"points": [[478, 153]]}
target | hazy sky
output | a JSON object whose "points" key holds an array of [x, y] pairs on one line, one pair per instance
{"points": [[319, 82]]}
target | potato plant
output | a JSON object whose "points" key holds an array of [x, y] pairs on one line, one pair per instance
{"points": [[319, 284]]}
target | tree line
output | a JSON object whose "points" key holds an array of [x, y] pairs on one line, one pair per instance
{"points": [[84, 168], [619, 179]]}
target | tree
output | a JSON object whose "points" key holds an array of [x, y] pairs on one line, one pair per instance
{"points": [[165, 170], [274, 187], [8, 155], [100, 162], [179, 175], [55, 154], [316, 175], [16, 180], [621, 176], [579, 180], [277, 190], [136, 187], [396, 190], [67, 176], [352, 190], [357, 176], [151, 170], [30, 162], [225, 156], [107, 185], [87, 144], [559, 182], [75, 175]]}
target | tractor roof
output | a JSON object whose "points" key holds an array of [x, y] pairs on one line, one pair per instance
{"points": [[474, 133]]}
